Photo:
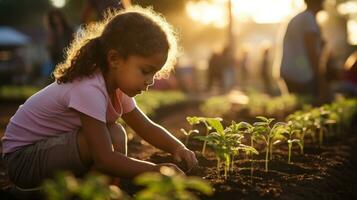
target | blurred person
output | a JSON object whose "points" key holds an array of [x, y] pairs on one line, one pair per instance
{"points": [[302, 47], [242, 68], [71, 124], [215, 71], [59, 35], [95, 9], [265, 68], [228, 65]]}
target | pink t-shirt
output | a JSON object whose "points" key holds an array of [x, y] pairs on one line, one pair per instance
{"points": [[53, 111]]}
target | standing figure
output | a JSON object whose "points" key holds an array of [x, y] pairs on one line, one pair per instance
{"points": [[59, 35], [302, 47], [265, 70], [242, 69], [215, 72], [71, 124]]}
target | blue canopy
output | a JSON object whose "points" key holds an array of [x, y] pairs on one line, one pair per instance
{"points": [[12, 37]]}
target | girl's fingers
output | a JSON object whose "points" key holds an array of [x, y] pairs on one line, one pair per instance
{"points": [[191, 161]]}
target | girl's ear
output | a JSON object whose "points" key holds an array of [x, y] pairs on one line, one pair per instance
{"points": [[113, 59]]}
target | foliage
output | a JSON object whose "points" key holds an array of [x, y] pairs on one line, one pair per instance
{"points": [[94, 187], [215, 106], [258, 104], [170, 186], [149, 101], [17, 92], [164, 185]]}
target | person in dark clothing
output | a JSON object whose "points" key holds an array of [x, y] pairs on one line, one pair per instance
{"points": [[215, 73], [59, 35]]}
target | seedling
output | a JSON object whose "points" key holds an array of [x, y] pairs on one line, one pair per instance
{"points": [[290, 131], [267, 133], [188, 134], [208, 122], [226, 144]]}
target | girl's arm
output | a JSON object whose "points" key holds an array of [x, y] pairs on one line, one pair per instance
{"points": [[101, 153], [158, 136]]}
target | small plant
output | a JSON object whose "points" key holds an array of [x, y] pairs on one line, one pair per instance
{"points": [[208, 124], [170, 186], [302, 123], [264, 131], [290, 131], [226, 144], [187, 134]]}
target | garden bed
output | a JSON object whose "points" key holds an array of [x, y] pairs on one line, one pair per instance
{"points": [[328, 172]]}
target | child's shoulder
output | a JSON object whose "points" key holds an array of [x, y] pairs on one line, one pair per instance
{"points": [[94, 80]]}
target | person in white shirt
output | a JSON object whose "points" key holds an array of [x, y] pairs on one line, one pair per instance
{"points": [[302, 46]]}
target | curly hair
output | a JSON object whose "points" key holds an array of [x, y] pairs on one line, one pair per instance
{"points": [[135, 31]]}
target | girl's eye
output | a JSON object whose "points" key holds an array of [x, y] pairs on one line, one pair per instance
{"points": [[145, 72]]}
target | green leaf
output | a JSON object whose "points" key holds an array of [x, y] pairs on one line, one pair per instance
{"points": [[216, 124], [193, 120]]}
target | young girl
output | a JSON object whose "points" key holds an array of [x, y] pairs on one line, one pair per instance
{"points": [[70, 124]]}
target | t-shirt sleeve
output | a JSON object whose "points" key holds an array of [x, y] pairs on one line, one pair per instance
{"points": [[128, 103], [310, 24], [90, 100]]}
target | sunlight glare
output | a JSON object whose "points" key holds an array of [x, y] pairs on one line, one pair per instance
{"points": [[207, 13], [58, 3], [263, 11], [347, 8], [259, 11], [352, 31], [322, 17]]}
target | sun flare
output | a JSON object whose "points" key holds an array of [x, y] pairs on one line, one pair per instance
{"points": [[259, 11]]}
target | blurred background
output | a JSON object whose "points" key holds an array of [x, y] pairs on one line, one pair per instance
{"points": [[249, 28]]}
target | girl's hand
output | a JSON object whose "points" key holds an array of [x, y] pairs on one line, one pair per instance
{"points": [[182, 153]]}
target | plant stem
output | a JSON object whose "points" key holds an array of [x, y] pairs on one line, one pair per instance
{"points": [[232, 163], [204, 148], [218, 164], [321, 136], [302, 142], [251, 170], [271, 152], [267, 155], [290, 145], [226, 167], [204, 143], [251, 161]]}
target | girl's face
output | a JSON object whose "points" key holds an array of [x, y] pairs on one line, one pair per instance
{"points": [[135, 74]]}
